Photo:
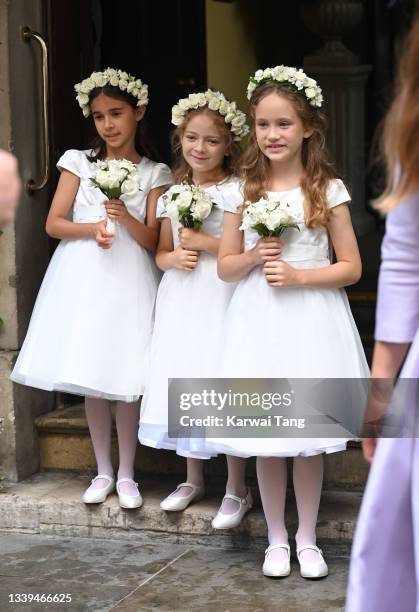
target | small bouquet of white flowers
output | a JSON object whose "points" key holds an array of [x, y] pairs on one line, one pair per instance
{"points": [[115, 177], [269, 217], [188, 204]]}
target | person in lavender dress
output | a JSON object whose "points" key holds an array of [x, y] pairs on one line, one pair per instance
{"points": [[384, 570]]}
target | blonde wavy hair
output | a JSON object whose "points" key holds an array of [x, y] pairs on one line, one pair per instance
{"points": [[318, 170], [182, 170], [400, 138]]}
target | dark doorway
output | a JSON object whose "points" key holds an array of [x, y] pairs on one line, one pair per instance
{"points": [[163, 43]]}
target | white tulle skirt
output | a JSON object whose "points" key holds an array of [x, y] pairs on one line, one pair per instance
{"points": [[187, 343], [273, 332], [91, 326]]}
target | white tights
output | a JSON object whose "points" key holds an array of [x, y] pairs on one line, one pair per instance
{"points": [[307, 480], [99, 418], [235, 482], [194, 475]]}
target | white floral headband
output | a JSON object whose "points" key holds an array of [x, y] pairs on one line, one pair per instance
{"points": [[292, 78], [116, 78], [215, 101]]}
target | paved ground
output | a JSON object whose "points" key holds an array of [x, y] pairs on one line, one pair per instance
{"points": [[102, 575]]}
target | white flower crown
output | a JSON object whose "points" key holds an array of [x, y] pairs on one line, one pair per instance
{"points": [[215, 101], [116, 78], [294, 79]]}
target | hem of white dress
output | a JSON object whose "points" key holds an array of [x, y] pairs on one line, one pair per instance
{"points": [[222, 449], [180, 452], [72, 388], [156, 436]]}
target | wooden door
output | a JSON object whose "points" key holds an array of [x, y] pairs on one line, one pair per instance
{"points": [[161, 42]]}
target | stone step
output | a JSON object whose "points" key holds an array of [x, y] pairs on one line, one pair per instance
{"points": [[65, 444], [49, 503]]}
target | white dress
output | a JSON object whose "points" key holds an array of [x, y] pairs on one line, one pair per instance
{"points": [[274, 332], [91, 326], [187, 338]]}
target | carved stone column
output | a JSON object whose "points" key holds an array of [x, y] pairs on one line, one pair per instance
{"points": [[343, 81]]}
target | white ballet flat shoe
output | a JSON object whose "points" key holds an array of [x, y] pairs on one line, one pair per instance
{"points": [[312, 570], [128, 501], [228, 521], [175, 504], [99, 496], [275, 569]]}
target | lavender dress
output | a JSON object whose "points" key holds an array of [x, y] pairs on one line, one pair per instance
{"points": [[384, 571]]}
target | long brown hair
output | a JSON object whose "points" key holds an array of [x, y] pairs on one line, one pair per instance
{"points": [[182, 170], [400, 142], [318, 170]]}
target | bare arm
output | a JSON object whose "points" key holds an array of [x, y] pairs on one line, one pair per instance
{"points": [[388, 358], [146, 234], [233, 262], [348, 268], [57, 225]]}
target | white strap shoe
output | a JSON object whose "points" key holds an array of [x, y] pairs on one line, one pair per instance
{"points": [[128, 501], [276, 569], [312, 570], [228, 521], [99, 495], [177, 503]]}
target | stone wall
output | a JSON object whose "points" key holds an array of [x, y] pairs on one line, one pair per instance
{"points": [[24, 246]]}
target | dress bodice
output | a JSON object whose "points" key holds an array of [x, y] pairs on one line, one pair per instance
{"points": [[304, 243], [88, 204], [213, 224]]}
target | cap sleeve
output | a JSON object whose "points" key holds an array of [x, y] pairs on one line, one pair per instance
{"points": [[71, 161], [161, 176], [337, 193], [232, 197], [160, 207]]}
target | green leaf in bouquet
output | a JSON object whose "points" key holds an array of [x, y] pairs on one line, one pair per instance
{"points": [[115, 193], [197, 224], [281, 229], [261, 229], [175, 196], [185, 218]]}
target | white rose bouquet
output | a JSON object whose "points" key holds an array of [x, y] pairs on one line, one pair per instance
{"points": [[269, 217], [188, 204], [115, 177]]}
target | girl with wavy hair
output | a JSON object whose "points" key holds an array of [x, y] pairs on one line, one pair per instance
{"points": [[192, 301], [289, 316]]}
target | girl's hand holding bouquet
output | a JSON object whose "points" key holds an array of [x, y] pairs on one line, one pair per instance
{"points": [[115, 177], [270, 218], [117, 211], [191, 239], [184, 259]]}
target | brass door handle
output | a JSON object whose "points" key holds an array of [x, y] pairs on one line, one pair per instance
{"points": [[27, 35]]}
